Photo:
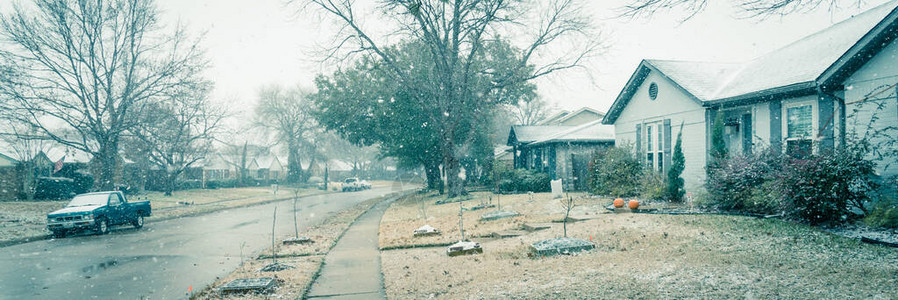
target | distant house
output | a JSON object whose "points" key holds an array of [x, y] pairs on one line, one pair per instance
{"points": [[10, 184], [216, 167], [267, 167], [562, 147], [578, 117], [799, 99]]}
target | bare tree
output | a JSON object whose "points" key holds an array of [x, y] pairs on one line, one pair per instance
{"points": [[567, 205], [530, 111], [287, 113], [457, 35], [751, 8], [25, 149], [81, 70], [178, 132]]}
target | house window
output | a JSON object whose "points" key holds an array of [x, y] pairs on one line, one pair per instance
{"points": [[799, 130], [654, 152], [650, 151], [653, 91]]}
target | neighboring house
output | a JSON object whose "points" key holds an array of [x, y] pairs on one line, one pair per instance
{"points": [[799, 99], [560, 150], [10, 184], [267, 167], [578, 117], [215, 167]]}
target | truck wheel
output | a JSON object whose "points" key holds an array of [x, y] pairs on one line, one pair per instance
{"points": [[58, 234], [102, 226], [138, 221]]}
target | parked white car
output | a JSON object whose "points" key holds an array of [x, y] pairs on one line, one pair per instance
{"points": [[355, 184]]}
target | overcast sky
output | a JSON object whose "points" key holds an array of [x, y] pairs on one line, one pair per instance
{"points": [[254, 43]]}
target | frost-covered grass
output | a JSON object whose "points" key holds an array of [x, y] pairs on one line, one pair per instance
{"points": [[405, 215], [654, 256]]}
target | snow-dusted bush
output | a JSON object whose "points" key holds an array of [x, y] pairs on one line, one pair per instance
{"points": [[745, 183], [615, 172], [521, 180], [828, 188]]}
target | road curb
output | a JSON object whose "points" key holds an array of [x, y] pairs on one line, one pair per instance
{"points": [[154, 220]]}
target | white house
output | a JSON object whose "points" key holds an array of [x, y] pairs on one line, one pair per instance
{"points": [[800, 98]]}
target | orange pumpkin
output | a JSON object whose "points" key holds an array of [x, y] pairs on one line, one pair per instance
{"points": [[634, 204], [618, 202]]}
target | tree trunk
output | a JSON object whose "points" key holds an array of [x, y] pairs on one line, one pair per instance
{"points": [[432, 171], [105, 166], [171, 182], [294, 167], [28, 183], [453, 168]]}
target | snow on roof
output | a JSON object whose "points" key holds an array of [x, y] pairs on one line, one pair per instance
{"points": [[55, 152], [589, 132], [527, 134], [799, 62]]}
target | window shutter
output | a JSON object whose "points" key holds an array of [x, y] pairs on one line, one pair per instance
{"points": [[638, 139], [667, 155]]}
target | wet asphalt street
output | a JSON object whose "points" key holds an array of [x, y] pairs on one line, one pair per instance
{"points": [[162, 260]]}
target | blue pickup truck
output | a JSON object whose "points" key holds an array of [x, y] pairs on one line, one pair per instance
{"points": [[96, 212]]}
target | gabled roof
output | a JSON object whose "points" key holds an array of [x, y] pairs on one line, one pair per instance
{"points": [[799, 67], [267, 161], [521, 134], [12, 161], [553, 119], [561, 117], [593, 131]]}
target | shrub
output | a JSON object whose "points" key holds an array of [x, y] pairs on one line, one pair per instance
{"points": [[745, 183], [885, 210], [652, 185], [51, 188], [615, 172], [824, 188], [189, 184], [521, 180], [675, 189]]}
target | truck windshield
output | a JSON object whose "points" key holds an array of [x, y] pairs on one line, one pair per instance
{"points": [[89, 200]]}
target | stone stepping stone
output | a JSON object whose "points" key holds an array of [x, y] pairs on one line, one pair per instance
{"points": [[509, 233], [537, 226], [276, 267], [464, 248], [562, 245], [248, 285], [495, 215], [426, 230], [298, 240]]}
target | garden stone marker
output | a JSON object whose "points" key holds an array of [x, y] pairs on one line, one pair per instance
{"points": [[556, 189]]}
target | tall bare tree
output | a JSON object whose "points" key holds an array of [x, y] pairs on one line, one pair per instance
{"points": [[456, 35], [750, 8], [177, 133], [81, 70], [530, 111], [287, 113], [17, 138]]}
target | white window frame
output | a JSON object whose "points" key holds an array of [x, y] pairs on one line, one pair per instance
{"points": [[814, 121], [657, 150]]}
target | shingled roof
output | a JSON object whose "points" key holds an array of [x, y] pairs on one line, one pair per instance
{"points": [[799, 66]]}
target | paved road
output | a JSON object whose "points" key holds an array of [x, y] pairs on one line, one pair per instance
{"points": [[352, 267], [160, 261]]}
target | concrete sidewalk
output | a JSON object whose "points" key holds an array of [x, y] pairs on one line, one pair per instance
{"points": [[352, 267]]}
